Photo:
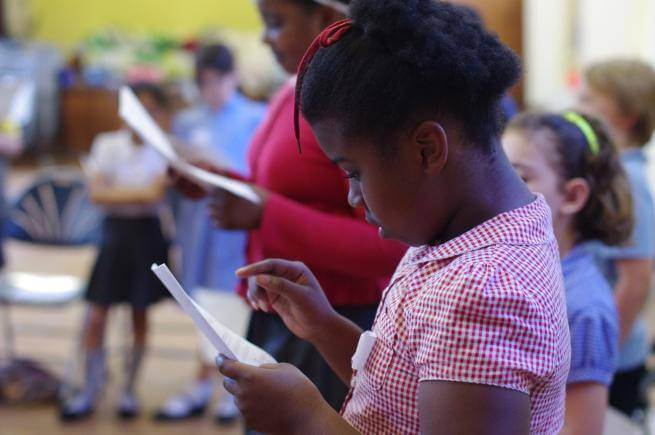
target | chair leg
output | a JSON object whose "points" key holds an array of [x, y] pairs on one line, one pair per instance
{"points": [[8, 330]]}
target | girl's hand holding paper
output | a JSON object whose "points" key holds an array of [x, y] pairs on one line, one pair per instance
{"points": [[273, 398]]}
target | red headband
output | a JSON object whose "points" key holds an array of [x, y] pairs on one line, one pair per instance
{"points": [[327, 37]]}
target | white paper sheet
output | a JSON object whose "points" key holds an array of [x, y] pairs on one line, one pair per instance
{"points": [[136, 116], [224, 341]]}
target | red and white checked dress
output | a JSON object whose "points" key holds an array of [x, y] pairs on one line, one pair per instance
{"points": [[486, 308]]}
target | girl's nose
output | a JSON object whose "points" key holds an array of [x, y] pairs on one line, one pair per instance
{"points": [[355, 198]]}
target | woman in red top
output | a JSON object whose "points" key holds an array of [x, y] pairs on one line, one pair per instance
{"points": [[304, 214]]}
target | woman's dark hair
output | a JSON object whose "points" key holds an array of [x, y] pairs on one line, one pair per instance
{"points": [[406, 59], [154, 91], [607, 216], [216, 57]]}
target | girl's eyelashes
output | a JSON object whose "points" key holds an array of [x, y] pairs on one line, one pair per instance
{"points": [[352, 175]]}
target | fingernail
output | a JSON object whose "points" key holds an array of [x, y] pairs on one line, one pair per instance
{"points": [[219, 360], [263, 279]]}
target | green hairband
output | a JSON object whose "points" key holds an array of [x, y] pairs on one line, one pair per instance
{"points": [[586, 129]]}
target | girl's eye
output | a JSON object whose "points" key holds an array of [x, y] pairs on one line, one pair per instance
{"points": [[352, 176]]}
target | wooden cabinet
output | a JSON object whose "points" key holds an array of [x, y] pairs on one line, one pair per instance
{"points": [[85, 112]]}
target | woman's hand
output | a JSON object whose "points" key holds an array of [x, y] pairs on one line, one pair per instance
{"points": [[189, 188], [231, 212], [185, 186], [291, 290], [273, 398]]}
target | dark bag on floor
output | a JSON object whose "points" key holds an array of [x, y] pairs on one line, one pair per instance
{"points": [[25, 382]]}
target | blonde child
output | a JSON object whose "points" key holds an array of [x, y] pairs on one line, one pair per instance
{"points": [[622, 94]]}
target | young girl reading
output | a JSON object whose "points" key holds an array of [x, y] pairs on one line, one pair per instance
{"points": [[571, 161], [471, 336], [127, 181]]}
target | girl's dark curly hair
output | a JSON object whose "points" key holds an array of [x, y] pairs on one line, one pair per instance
{"points": [[406, 59]]}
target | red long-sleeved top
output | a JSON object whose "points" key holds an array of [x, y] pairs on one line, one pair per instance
{"points": [[307, 216]]}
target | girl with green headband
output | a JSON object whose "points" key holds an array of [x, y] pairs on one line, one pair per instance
{"points": [[570, 160]]}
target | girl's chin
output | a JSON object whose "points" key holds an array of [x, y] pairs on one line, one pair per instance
{"points": [[383, 233]]}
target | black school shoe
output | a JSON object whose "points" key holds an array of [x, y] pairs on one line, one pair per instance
{"points": [[78, 408], [128, 407]]}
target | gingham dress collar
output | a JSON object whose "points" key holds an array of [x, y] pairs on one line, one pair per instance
{"points": [[520, 227]]}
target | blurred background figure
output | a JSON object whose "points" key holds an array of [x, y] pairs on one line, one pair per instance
{"points": [[16, 115], [622, 94], [126, 179], [215, 131]]}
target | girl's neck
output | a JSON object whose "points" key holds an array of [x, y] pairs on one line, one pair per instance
{"points": [[493, 189], [566, 240]]}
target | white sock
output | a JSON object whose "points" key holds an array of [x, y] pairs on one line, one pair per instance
{"points": [[202, 390]]}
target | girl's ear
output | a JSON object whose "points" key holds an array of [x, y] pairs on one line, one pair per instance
{"points": [[432, 145], [575, 196]]}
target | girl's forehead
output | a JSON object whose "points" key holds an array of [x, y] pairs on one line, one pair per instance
{"points": [[525, 146]]}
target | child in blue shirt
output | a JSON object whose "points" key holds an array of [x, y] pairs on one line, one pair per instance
{"points": [[570, 160], [216, 131]]}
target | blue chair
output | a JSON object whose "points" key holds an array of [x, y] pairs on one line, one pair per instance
{"points": [[54, 211]]}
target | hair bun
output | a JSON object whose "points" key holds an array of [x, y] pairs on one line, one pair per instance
{"points": [[442, 41]]}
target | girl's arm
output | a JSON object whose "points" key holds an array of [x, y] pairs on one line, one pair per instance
{"points": [[456, 408], [586, 404], [293, 292], [445, 408], [279, 399], [631, 291], [106, 194]]}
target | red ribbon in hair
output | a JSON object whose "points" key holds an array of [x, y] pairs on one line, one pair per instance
{"points": [[327, 37]]}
